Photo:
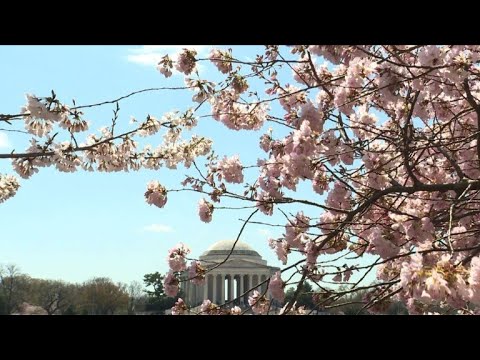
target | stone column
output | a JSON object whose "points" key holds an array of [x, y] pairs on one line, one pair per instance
{"points": [[190, 292], [250, 283], [240, 277], [232, 289], [185, 291], [222, 289], [192, 296], [205, 289], [264, 286], [214, 297]]}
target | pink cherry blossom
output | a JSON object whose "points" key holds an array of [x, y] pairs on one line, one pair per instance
{"points": [[276, 287], [156, 194], [235, 311], [265, 203], [230, 169], [436, 286], [205, 210], [176, 257], [8, 187], [186, 61], [208, 308], [170, 283], [258, 303], [179, 308], [282, 249], [165, 65], [196, 273], [222, 60], [239, 84]]}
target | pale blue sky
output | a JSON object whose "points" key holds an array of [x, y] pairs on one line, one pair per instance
{"points": [[76, 226]]}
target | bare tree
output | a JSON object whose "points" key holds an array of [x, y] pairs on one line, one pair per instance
{"points": [[52, 295], [135, 296], [13, 287]]}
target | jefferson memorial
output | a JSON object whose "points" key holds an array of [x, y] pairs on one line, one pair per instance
{"points": [[243, 270]]}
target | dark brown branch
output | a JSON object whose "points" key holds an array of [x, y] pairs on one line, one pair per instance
{"points": [[476, 107], [235, 243], [295, 295], [407, 138]]}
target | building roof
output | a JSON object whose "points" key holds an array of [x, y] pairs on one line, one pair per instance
{"points": [[223, 247], [228, 245]]}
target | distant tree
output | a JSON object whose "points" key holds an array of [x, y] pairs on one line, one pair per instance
{"points": [[135, 296], [3, 304], [52, 295], [13, 287], [157, 299], [76, 303], [101, 296], [304, 298], [347, 302], [351, 303], [397, 308], [155, 281], [71, 310]]}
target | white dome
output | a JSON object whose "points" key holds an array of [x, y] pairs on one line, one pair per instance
{"points": [[228, 245]]}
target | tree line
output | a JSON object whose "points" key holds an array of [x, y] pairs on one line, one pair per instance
{"points": [[21, 294]]}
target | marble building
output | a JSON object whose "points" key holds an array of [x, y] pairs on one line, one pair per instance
{"points": [[244, 269]]}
